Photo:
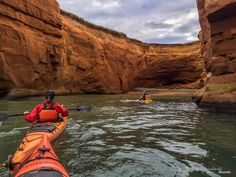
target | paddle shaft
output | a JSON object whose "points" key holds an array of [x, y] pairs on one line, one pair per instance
{"points": [[73, 109], [82, 108], [14, 115]]}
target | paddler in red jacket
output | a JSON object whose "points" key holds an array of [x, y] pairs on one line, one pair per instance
{"points": [[47, 111]]}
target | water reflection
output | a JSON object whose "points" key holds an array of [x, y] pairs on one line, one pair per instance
{"points": [[121, 137]]}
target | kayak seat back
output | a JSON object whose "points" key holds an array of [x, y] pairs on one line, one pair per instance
{"points": [[43, 128]]}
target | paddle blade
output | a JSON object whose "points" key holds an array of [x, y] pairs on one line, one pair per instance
{"points": [[84, 108]]}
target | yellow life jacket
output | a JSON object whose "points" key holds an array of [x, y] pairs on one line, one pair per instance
{"points": [[148, 100]]}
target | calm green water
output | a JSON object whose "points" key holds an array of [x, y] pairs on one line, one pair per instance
{"points": [[123, 138]]}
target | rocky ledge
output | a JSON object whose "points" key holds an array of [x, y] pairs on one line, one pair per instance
{"points": [[218, 40]]}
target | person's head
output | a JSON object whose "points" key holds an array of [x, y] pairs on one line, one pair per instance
{"points": [[49, 95]]}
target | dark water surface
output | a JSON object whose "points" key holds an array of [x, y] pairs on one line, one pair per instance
{"points": [[123, 138]]}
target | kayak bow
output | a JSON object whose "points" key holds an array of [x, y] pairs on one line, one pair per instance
{"points": [[43, 162], [33, 138]]}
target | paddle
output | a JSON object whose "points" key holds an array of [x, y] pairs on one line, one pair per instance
{"points": [[82, 108], [4, 117]]}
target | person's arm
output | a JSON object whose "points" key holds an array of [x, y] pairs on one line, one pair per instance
{"points": [[33, 115], [61, 110], [141, 98]]}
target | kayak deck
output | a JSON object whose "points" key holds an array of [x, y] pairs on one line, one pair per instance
{"points": [[42, 162], [33, 138]]}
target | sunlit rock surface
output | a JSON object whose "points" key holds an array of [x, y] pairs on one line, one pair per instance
{"points": [[44, 47]]}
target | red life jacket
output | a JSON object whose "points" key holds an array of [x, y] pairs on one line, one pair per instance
{"points": [[48, 114]]}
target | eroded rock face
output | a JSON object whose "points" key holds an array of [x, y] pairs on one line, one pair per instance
{"points": [[42, 47], [31, 39], [218, 39], [107, 61]]}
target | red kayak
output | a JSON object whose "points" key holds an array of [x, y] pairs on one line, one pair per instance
{"points": [[42, 163]]}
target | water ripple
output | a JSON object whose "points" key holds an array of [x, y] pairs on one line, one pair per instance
{"points": [[121, 137]]}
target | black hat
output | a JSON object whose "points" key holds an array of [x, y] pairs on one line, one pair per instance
{"points": [[49, 94]]}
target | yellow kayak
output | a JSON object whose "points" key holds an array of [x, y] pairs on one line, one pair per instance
{"points": [[148, 101]]}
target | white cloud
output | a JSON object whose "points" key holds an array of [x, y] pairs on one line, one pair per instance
{"points": [[158, 21], [105, 5]]}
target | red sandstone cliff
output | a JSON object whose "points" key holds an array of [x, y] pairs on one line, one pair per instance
{"points": [[31, 42], [43, 48], [218, 40]]}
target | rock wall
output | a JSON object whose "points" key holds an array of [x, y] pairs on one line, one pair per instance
{"points": [[44, 47], [218, 40], [30, 45]]}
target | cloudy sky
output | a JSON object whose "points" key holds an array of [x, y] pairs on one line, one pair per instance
{"points": [[151, 21]]}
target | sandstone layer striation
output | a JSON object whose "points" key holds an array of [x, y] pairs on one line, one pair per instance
{"points": [[43, 47], [218, 40]]}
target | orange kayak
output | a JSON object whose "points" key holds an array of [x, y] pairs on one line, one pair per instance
{"points": [[33, 138], [43, 162]]}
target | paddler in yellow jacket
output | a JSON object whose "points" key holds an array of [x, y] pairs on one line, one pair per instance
{"points": [[145, 98]]}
